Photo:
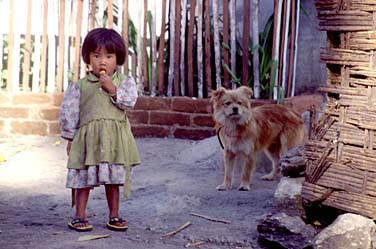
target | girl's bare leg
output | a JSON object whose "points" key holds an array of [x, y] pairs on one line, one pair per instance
{"points": [[113, 196], [82, 196]]}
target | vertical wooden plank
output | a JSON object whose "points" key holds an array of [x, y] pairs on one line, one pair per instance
{"points": [[153, 48], [295, 48], [144, 49], [207, 46], [161, 87], [233, 38], [52, 27], [226, 54], [93, 10], [182, 46], [77, 42], [217, 53], [291, 48], [2, 13], [286, 21], [200, 65], [37, 13], [10, 47], [84, 31], [140, 83], [245, 42], [255, 42], [125, 34], [177, 48], [275, 50], [28, 51], [172, 47], [66, 68], [190, 38], [110, 12], [60, 66]]}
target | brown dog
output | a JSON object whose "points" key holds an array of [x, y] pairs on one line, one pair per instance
{"points": [[246, 131]]}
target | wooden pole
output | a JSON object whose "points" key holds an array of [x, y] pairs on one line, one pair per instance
{"points": [[226, 54], [28, 49], [233, 37], [60, 66], [292, 48], [77, 42], [275, 51], [10, 47], [207, 47], [43, 63], [93, 11], [177, 48], [217, 53], [296, 48], [144, 50], [256, 60], [153, 49], [191, 25], [286, 22], [200, 66], [182, 46], [125, 34], [110, 21], [245, 57], [161, 87]]}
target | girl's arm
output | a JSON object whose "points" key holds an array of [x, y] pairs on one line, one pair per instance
{"points": [[70, 112], [126, 94]]}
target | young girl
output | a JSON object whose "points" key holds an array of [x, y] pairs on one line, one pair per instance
{"points": [[101, 148]]}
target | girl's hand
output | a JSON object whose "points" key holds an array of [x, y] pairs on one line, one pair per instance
{"points": [[106, 84], [69, 144]]}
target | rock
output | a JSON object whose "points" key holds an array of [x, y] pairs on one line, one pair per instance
{"points": [[283, 231], [347, 231], [293, 163], [288, 198]]}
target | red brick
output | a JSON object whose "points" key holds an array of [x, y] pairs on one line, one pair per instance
{"points": [[150, 131], [4, 98], [14, 112], [29, 128], [170, 118], [49, 113], [186, 104], [53, 128], [138, 116], [152, 103], [258, 102], [57, 99], [203, 120], [194, 134], [31, 98]]}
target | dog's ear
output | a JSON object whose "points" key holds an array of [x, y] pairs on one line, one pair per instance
{"points": [[217, 94], [246, 90]]}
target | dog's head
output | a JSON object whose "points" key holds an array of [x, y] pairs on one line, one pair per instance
{"points": [[232, 105]]}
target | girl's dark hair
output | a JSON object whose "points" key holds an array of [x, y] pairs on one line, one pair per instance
{"points": [[104, 38]]}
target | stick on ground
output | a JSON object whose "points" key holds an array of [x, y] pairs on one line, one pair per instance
{"points": [[211, 219], [187, 224]]}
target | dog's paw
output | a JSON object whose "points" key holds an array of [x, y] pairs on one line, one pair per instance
{"points": [[268, 177], [244, 188], [222, 187]]}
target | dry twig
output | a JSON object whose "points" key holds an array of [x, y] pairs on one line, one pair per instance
{"points": [[187, 224], [211, 219]]}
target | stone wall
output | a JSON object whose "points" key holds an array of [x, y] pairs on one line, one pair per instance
{"points": [[179, 117]]}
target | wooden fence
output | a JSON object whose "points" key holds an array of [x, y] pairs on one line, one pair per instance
{"points": [[176, 47]]}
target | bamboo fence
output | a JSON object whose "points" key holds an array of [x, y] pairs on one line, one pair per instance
{"points": [[180, 47], [341, 152]]}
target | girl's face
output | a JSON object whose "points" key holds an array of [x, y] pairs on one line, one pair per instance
{"points": [[101, 60]]}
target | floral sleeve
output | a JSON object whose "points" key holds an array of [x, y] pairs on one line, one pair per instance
{"points": [[126, 94], [70, 112]]}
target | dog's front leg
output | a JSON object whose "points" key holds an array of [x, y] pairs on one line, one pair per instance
{"points": [[229, 159], [248, 166]]}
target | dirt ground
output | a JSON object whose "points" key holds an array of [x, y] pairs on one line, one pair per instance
{"points": [[176, 178]]}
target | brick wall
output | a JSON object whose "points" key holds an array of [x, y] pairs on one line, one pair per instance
{"points": [[179, 117]]}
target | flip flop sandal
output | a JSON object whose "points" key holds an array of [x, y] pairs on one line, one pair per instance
{"points": [[73, 225], [111, 224]]}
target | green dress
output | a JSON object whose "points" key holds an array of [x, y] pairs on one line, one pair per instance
{"points": [[100, 128]]}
